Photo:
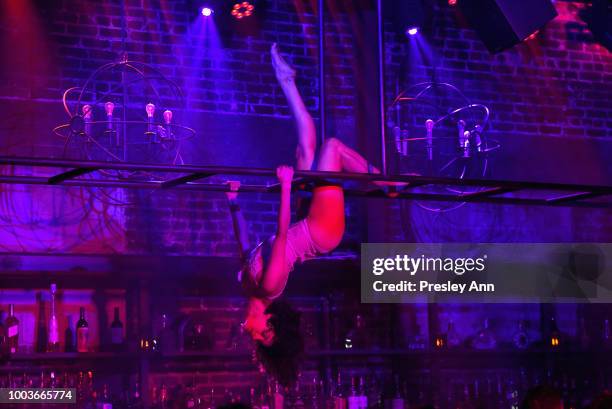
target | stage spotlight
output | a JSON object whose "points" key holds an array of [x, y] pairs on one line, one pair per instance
{"points": [[207, 11], [532, 35], [412, 31], [452, 2], [243, 9]]}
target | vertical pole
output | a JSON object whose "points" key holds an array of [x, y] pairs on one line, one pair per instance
{"points": [[381, 85], [321, 71]]}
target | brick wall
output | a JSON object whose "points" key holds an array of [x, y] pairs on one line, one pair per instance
{"points": [[548, 86]]}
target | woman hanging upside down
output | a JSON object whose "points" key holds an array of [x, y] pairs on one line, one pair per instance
{"points": [[272, 323]]}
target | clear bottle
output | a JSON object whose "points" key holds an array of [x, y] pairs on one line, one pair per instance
{"points": [[12, 330], [54, 344], [484, 339], [82, 332]]}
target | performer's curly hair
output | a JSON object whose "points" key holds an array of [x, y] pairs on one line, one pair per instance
{"points": [[283, 357]]}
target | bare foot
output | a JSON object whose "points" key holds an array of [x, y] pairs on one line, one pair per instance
{"points": [[283, 71]]}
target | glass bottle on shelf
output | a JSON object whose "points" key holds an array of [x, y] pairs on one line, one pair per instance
{"points": [[397, 402], [356, 337], [82, 332], [339, 401], [278, 400], [417, 341], [42, 334], [12, 330], [166, 335], [69, 343], [353, 399], [362, 394], [520, 339], [3, 338], [116, 331], [484, 339], [54, 344], [452, 337]]}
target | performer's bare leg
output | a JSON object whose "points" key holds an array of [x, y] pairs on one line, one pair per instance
{"points": [[307, 134]]}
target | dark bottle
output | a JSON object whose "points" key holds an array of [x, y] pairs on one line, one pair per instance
{"points": [[3, 339], [69, 345], [82, 333], [42, 336], [116, 331], [12, 330]]}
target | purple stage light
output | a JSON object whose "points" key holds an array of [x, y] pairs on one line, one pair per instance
{"points": [[412, 31], [207, 11]]}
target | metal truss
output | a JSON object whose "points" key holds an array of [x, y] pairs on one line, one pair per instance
{"points": [[193, 178]]}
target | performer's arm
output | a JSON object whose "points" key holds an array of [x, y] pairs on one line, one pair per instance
{"points": [[238, 222], [274, 275]]}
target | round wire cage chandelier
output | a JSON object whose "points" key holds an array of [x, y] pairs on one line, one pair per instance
{"points": [[126, 111], [438, 131]]}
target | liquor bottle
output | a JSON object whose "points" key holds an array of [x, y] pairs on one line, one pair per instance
{"points": [[353, 400], [339, 401], [356, 337], [163, 396], [12, 330], [135, 401], [54, 344], [361, 393], [417, 341], [278, 400], [70, 344], [397, 402], [82, 332], [105, 400], [42, 334], [520, 339], [116, 331], [166, 336], [484, 339], [452, 337], [3, 338]]}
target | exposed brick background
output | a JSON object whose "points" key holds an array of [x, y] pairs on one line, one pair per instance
{"points": [[549, 101]]}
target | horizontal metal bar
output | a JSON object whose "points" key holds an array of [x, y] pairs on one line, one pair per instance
{"points": [[184, 179], [70, 174], [34, 180], [314, 175], [574, 196], [489, 192]]}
